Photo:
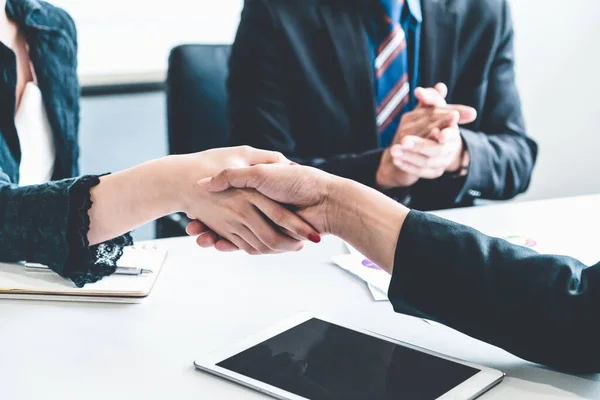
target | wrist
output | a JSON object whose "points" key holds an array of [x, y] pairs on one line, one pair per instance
{"points": [[461, 161], [339, 205], [179, 176], [367, 219]]}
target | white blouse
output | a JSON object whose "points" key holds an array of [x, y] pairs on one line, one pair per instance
{"points": [[38, 152]]}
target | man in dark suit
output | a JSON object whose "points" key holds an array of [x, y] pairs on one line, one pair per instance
{"points": [[331, 83]]}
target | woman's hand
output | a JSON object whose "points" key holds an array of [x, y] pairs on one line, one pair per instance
{"points": [[247, 220], [239, 219]]}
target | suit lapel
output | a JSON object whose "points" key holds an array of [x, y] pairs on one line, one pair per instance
{"points": [[346, 32], [439, 34]]}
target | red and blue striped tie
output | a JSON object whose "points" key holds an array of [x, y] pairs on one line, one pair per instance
{"points": [[391, 69]]}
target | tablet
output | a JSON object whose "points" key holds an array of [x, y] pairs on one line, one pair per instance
{"points": [[309, 357]]}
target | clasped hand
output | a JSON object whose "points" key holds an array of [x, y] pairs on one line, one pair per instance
{"points": [[428, 141], [240, 218]]}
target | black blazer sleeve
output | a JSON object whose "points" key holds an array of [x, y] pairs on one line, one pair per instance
{"points": [[257, 98], [541, 308], [502, 156]]}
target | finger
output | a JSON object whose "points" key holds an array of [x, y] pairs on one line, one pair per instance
{"points": [[429, 97], [252, 239], [435, 135], [242, 244], [273, 240], [284, 218], [425, 173], [225, 246], [415, 159], [424, 120], [420, 161], [196, 228], [449, 135], [442, 120], [291, 234], [442, 89], [248, 177], [426, 147], [208, 239], [467, 114], [258, 156]]}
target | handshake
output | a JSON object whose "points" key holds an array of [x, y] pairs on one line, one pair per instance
{"points": [[262, 203]]}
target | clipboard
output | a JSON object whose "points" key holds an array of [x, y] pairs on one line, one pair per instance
{"points": [[18, 283]]}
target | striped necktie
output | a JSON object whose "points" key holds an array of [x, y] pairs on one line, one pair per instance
{"points": [[391, 68]]}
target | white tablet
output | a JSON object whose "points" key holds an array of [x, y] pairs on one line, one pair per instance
{"points": [[308, 357]]}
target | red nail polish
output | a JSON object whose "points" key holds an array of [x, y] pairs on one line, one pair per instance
{"points": [[313, 237]]}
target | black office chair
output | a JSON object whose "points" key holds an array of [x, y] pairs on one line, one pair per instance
{"points": [[196, 109]]}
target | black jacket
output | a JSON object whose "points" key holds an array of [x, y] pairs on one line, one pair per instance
{"points": [[539, 307], [301, 82]]}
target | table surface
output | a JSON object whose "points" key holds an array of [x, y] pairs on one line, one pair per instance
{"points": [[204, 300]]}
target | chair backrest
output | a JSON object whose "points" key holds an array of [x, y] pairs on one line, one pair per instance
{"points": [[197, 97]]}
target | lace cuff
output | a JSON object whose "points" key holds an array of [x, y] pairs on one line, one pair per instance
{"points": [[85, 263]]}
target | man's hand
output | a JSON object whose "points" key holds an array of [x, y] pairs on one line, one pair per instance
{"points": [[428, 141]]}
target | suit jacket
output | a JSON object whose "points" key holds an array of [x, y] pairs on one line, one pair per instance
{"points": [[539, 307], [301, 82]]}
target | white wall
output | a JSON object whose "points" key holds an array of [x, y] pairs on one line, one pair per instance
{"points": [[558, 64]]}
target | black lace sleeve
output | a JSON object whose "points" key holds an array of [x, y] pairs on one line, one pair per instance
{"points": [[85, 263]]}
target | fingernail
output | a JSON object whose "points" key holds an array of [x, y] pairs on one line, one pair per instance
{"points": [[408, 144], [315, 238], [204, 182]]}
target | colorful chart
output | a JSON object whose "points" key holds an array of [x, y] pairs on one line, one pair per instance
{"points": [[370, 264]]}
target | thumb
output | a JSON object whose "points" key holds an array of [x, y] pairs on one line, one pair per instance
{"points": [[428, 97], [442, 89], [258, 156], [246, 177]]}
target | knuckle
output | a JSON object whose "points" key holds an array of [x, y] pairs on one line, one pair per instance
{"points": [[274, 241], [278, 217]]}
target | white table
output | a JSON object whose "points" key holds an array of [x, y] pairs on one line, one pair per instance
{"points": [[204, 300]]}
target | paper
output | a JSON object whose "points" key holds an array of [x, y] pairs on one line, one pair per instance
{"points": [[378, 281], [17, 282]]}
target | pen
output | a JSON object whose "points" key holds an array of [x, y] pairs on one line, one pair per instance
{"points": [[33, 267]]}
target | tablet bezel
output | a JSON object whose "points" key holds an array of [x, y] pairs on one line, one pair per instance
{"points": [[470, 389]]}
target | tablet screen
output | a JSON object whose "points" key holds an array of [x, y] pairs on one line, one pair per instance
{"points": [[320, 360]]}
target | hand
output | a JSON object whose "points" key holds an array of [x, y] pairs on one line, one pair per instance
{"points": [[303, 187], [243, 219], [247, 220], [430, 158], [443, 151], [428, 124]]}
